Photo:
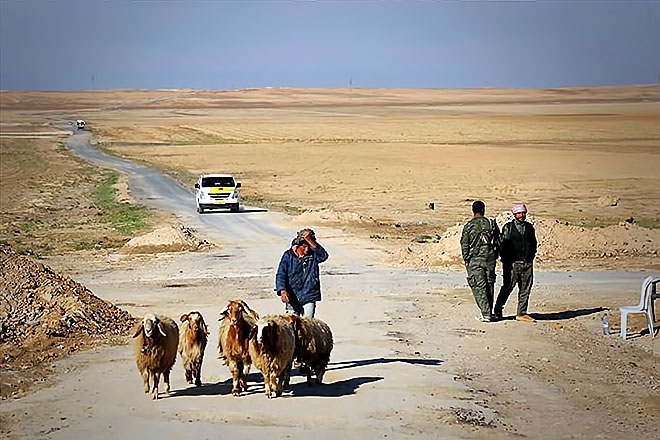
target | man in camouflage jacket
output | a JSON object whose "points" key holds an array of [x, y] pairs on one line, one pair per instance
{"points": [[479, 247]]}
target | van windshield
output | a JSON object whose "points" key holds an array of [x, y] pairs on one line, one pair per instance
{"points": [[217, 182]]}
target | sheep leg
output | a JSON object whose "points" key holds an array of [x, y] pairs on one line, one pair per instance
{"points": [[281, 378], [145, 378], [273, 385], [198, 374], [267, 386], [287, 373], [166, 377], [236, 368], [246, 372], [320, 371], [309, 371], [189, 375], [154, 392]]}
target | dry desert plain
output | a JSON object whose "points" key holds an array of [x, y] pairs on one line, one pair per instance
{"points": [[368, 162]]}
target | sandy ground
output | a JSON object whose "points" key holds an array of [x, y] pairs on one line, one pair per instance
{"points": [[410, 359]]}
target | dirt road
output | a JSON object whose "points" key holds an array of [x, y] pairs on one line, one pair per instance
{"points": [[410, 359]]}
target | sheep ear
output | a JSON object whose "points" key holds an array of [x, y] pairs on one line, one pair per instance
{"points": [[245, 306], [183, 318], [205, 328], [272, 333], [138, 331], [254, 314], [160, 329], [223, 314]]}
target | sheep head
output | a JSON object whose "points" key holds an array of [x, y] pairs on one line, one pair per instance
{"points": [[265, 333], [195, 322], [234, 312], [150, 323]]}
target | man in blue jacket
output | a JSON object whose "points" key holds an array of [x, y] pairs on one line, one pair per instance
{"points": [[297, 281]]}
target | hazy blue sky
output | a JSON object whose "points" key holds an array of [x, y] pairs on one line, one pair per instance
{"points": [[216, 44]]}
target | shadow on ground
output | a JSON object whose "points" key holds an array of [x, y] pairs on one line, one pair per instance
{"points": [[567, 314], [364, 362], [331, 389], [226, 211], [255, 386], [340, 388], [221, 388]]}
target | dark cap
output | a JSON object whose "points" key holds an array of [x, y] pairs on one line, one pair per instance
{"points": [[299, 241]]}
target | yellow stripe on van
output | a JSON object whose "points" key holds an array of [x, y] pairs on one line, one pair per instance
{"points": [[219, 189]]}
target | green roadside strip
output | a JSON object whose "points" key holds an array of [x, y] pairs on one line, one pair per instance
{"points": [[122, 217]]}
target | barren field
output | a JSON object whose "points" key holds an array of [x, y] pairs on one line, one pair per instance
{"points": [[371, 161], [361, 166]]}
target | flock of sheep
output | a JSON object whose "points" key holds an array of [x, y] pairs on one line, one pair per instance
{"points": [[271, 343]]}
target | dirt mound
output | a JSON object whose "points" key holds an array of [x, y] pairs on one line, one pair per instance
{"points": [[560, 244], [168, 239], [44, 316], [331, 216]]}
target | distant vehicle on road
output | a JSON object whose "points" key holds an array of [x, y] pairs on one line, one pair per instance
{"points": [[214, 191], [80, 124]]}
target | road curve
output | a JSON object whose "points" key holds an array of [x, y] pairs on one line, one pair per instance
{"points": [[153, 189]]}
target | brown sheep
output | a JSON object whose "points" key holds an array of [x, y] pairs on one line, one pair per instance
{"points": [[194, 336], [237, 319], [313, 345], [272, 343], [156, 341]]}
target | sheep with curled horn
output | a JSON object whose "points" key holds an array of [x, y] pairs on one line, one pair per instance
{"points": [[271, 348], [314, 344], [236, 321], [192, 343], [155, 345]]}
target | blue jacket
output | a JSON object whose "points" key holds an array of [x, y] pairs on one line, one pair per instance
{"points": [[300, 276]]}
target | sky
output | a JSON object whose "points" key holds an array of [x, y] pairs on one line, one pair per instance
{"points": [[221, 44]]}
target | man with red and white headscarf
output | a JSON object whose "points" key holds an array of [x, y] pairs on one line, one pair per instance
{"points": [[517, 251]]}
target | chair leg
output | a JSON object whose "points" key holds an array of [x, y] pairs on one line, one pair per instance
{"points": [[649, 321], [624, 324]]}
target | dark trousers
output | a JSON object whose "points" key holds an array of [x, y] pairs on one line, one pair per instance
{"points": [[517, 273], [481, 279]]}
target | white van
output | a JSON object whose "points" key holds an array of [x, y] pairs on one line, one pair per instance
{"points": [[213, 191]]}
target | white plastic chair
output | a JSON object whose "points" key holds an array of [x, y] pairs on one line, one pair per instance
{"points": [[644, 306]]}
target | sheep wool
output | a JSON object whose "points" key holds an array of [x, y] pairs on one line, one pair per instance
{"points": [[155, 345], [272, 343], [192, 343]]}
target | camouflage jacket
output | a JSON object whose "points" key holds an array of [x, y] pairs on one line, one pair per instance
{"points": [[480, 239]]}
